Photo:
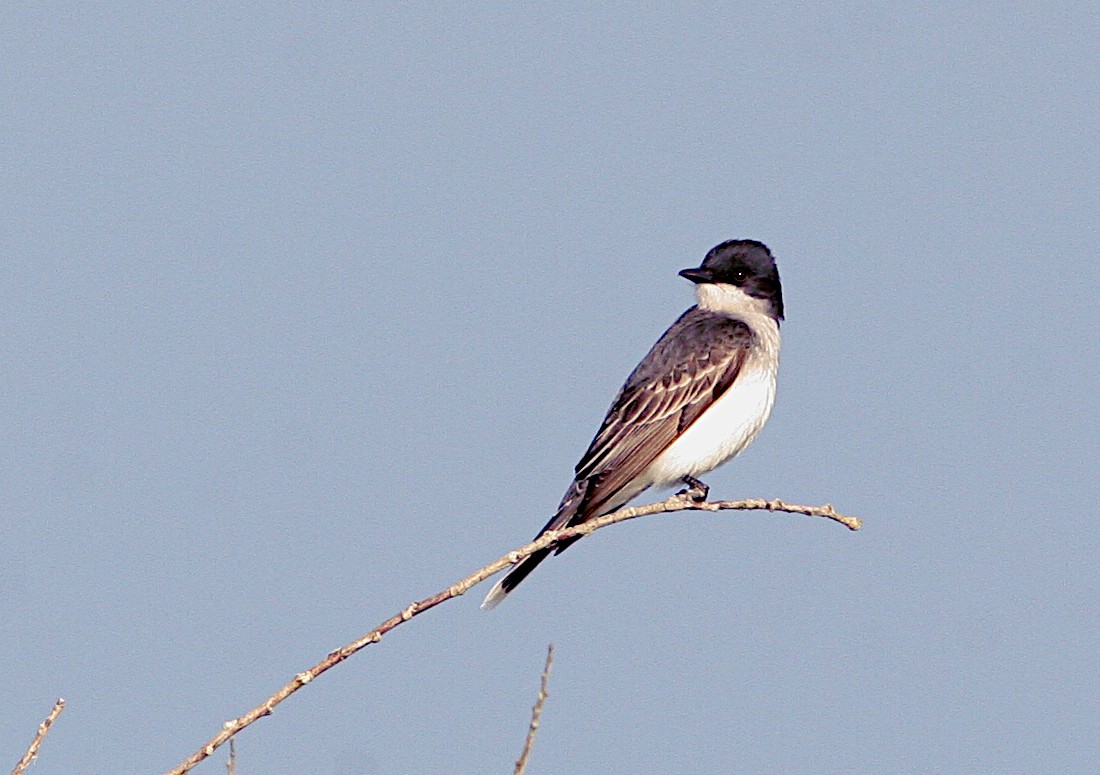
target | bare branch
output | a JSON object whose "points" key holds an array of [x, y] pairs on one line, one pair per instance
{"points": [[43, 728], [678, 502], [536, 713]]}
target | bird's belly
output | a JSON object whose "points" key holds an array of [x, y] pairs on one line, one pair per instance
{"points": [[720, 433]]}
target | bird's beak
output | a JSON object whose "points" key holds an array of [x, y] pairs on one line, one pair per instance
{"points": [[699, 275]]}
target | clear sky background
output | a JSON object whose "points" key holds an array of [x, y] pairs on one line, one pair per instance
{"points": [[309, 311]]}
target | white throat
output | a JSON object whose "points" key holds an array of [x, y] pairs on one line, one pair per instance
{"points": [[729, 300]]}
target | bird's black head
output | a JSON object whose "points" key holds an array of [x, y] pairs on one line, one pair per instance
{"points": [[745, 263]]}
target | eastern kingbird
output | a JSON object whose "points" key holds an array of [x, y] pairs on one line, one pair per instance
{"points": [[697, 399]]}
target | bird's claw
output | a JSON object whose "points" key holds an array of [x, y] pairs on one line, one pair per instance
{"points": [[695, 490]]}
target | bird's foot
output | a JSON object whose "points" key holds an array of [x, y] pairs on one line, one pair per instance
{"points": [[695, 489]]}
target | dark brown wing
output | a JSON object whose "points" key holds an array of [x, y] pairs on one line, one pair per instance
{"points": [[694, 363]]}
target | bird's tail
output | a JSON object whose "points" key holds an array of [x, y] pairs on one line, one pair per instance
{"points": [[566, 515], [501, 589]]}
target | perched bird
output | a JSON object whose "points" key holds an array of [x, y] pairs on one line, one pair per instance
{"points": [[696, 400]]}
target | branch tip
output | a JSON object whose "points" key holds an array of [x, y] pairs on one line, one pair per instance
{"points": [[32, 750], [536, 713]]}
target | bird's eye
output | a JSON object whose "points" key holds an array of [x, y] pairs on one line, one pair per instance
{"points": [[740, 275]]}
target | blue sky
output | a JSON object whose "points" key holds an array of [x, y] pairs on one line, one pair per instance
{"points": [[309, 311]]}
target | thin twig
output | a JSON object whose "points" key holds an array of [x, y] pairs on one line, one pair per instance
{"points": [[43, 728], [678, 502], [231, 765], [536, 714]]}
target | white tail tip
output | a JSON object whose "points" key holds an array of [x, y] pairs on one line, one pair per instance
{"points": [[495, 597]]}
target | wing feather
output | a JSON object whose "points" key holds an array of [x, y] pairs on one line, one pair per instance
{"points": [[694, 363]]}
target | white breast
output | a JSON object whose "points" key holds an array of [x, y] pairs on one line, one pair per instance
{"points": [[733, 421]]}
